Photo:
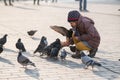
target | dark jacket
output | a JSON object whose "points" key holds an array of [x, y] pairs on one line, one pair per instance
{"points": [[87, 32]]}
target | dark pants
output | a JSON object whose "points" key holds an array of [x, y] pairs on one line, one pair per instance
{"points": [[54, 0], [37, 2], [84, 2], [10, 2]]}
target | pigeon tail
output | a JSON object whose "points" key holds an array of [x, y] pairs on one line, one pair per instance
{"points": [[61, 57], [31, 63], [35, 51], [97, 64], [24, 50], [1, 49]]}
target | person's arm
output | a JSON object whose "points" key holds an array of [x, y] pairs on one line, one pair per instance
{"points": [[67, 42], [90, 33]]}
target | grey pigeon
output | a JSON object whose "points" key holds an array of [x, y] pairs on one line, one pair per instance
{"points": [[3, 40], [31, 32], [20, 46], [24, 61], [55, 44], [42, 45], [63, 54], [1, 49], [54, 52], [88, 61], [47, 50]]}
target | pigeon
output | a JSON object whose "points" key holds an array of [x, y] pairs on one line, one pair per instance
{"points": [[47, 50], [42, 45], [63, 31], [1, 49], [54, 52], [88, 61], [24, 61], [3, 40], [55, 44], [72, 48], [20, 45], [63, 54], [31, 32]]}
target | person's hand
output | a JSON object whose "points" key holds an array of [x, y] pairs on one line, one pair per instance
{"points": [[66, 43], [63, 44], [77, 38]]}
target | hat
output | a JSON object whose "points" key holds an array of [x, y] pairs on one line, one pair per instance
{"points": [[73, 16]]}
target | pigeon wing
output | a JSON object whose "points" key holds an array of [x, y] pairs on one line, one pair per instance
{"points": [[38, 49], [23, 48], [63, 54], [60, 30], [32, 32], [22, 59]]}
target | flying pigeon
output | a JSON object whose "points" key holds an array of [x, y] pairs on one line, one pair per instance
{"points": [[31, 32], [24, 61], [62, 30], [88, 61], [42, 45], [63, 54], [20, 46], [3, 40]]}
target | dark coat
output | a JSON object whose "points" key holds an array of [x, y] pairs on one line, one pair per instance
{"points": [[87, 32]]}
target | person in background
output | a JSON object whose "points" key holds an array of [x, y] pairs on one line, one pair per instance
{"points": [[10, 3], [83, 5], [54, 1], [37, 2]]}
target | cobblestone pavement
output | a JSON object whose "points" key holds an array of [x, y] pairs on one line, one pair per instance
{"points": [[17, 20]]}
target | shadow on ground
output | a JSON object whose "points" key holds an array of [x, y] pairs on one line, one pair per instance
{"points": [[66, 63], [9, 50], [6, 61], [27, 54], [33, 73], [35, 38], [25, 8], [113, 69]]}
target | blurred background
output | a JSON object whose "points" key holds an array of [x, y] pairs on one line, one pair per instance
{"points": [[71, 1]]}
